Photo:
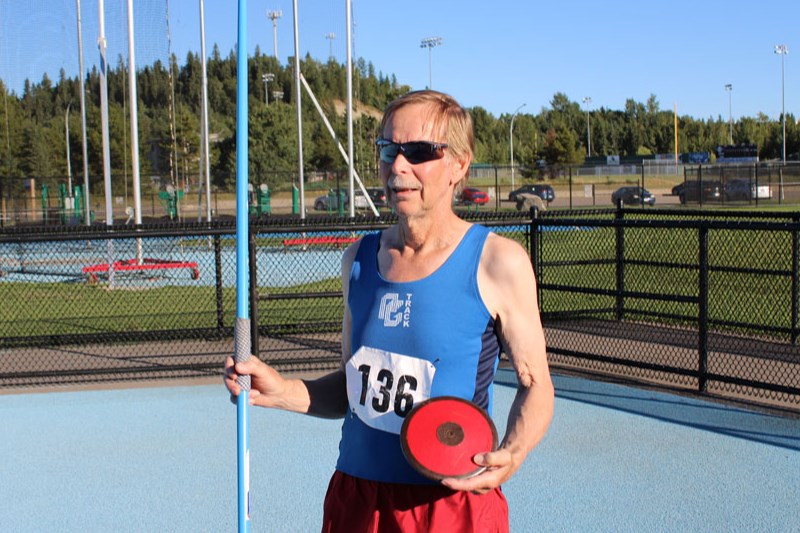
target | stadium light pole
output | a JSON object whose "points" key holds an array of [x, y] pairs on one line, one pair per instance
{"points": [[330, 36], [430, 43], [274, 16], [588, 100], [511, 138], [267, 77], [729, 89], [782, 50]]}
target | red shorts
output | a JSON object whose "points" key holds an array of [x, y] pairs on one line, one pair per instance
{"points": [[354, 505]]}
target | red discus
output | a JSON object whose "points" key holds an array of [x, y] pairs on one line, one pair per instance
{"points": [[440, 437]]}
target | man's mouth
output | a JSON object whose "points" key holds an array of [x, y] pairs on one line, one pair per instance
{"points": [[398, 186]]}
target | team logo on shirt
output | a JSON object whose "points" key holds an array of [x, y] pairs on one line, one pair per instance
{"points": [[395, 311]]}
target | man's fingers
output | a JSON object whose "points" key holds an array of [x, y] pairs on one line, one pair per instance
{"points": [[499, 458], [497, 465], [479, 484]]}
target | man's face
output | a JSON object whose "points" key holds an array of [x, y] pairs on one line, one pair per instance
{"points": [[415, 189]]}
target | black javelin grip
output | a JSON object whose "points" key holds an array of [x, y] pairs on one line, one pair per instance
{"points": [[441, 436]]}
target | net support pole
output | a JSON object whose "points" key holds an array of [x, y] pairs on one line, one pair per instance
{"points": [[298, 100], [350, 162], [242, 327], [204, 131], [101, 43], [86, 192], [134, 113]]}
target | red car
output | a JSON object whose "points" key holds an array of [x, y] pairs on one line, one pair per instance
{"points": [[471, 195]]}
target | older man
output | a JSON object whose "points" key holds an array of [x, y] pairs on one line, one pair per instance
{"points": [[429, 305]]}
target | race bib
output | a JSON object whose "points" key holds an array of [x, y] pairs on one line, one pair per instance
{"points": [[383, 387]]}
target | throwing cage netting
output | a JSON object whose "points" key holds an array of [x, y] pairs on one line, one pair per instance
{"points": [[42, 172]]}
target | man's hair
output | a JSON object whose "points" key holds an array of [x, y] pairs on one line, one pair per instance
{"points": [[447, 116]]}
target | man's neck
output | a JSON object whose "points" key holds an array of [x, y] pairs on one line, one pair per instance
{"points": [[429, 232]]}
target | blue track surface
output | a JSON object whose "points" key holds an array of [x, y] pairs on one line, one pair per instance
{"points": [[163, 459]]}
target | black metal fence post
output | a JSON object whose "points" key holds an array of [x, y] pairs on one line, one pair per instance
{"points": [[496, 191], [755, 171], [533, 239], [795, 267], [218, 284], [620, 260], [570, 187], [641, 198], [702, 314], [699, 185], [251, 252]]}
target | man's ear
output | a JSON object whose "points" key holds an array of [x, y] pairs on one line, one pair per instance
{"points": [[459, 169]]}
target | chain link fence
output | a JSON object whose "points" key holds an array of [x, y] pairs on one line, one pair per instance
{"points": [[692, 299], [697, 300]]}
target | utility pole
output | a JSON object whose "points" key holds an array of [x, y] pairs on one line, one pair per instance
{"points": [[588, 100], [511, 142], [69, 164], [782, 50], [729, 89]]}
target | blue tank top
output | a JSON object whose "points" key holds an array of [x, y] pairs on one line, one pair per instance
{"points": [[438, 327]]}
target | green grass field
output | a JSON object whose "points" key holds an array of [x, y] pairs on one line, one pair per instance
{"points": [[659, 261]]}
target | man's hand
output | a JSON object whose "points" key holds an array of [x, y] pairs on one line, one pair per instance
{"points": [[266, 384], [500, 466]]}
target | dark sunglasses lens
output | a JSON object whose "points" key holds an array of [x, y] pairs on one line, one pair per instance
{"points": [[419, 152], [389, 152]]}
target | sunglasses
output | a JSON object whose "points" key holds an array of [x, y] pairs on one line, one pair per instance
{"points": [[415, 152]]}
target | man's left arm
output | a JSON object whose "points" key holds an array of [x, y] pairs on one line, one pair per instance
{"points": [[508, 288]]}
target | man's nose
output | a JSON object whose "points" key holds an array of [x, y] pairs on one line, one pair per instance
{"points": [[400, 162]]}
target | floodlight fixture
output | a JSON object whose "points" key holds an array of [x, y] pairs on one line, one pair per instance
{"points": [[274, 16], [330, 36], [266, 78], [430, 43]]}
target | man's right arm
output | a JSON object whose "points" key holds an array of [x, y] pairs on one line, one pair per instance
{"points": [[325, 397]]}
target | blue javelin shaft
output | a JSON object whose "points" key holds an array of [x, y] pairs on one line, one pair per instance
{"points": [[242, 327]]}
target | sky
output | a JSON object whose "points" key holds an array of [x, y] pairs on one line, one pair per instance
{"points": [[498, 55]]}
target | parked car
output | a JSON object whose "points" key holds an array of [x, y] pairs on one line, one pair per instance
{"points": [[633, 196], [690, 191], [377, 195], [545, 192], [471, 195], [739, 189], [323, 203]]}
